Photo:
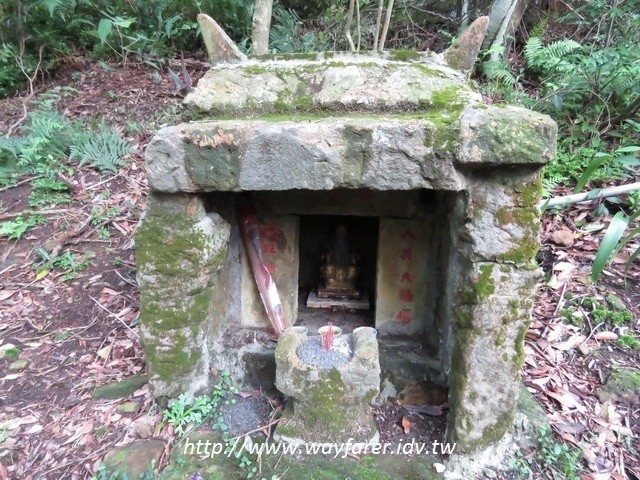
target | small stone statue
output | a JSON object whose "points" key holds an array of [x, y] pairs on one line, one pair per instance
{"points": [[339, 268]]}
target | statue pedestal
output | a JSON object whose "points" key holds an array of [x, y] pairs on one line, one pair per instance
{"points": [[361, 303]]}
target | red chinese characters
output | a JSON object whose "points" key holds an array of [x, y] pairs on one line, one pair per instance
{"points": [[404, 316], [406, 254], [269, 248], [406, 277], [405, 295], [408, 234]]}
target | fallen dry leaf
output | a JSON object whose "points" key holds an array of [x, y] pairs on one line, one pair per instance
{"points": [[406, 425]]}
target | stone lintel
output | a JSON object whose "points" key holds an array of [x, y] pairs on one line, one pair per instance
{"points": [[362, 152]]}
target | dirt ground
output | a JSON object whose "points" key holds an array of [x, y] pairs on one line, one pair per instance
{"points": [[76, 326]]}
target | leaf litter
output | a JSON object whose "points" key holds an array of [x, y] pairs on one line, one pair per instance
{"points": [[79, 333]]}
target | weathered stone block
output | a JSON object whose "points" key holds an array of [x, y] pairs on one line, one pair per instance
{"points": [[491, 318], [179, 251], [339, 84], [242, 155], [497, 135]]}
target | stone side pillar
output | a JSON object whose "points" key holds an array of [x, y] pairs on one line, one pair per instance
{"points": [[179, 251], [494, 271]]}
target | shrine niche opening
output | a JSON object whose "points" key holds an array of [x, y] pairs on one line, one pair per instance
{"points": [[352, 303], [400, 243]]}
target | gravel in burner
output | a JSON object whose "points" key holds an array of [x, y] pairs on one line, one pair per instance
{"points": [[311, 352]]}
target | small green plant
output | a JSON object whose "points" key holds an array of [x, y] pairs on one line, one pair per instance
{"points": [[62, 336], [629, 340], [67, 262], [100, 215], [183, 413], [48, 190], [4, 433], [555, 458], [14, 229], [11, 353], [572, 316]]}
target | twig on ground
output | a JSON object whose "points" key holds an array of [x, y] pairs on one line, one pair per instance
{"points": [[21, 182], [8, 216], [133, 284], [592, 332], [561, 299], [259, 429], [113, 315], [91, 187]]}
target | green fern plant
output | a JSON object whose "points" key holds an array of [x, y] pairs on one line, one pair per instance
{"points": [[103, 149]]}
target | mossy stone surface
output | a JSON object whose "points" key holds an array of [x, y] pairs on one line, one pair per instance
{"points": [[402, 81], [134, 459], [509, 135], [328, 404], [122, 389], [180, 249]]}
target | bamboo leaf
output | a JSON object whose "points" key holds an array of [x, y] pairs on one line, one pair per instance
{"points": [[630, 149], [609, 243], [599, 159]]}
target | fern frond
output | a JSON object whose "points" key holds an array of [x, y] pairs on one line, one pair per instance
{"points": [[104, 150], [539, 29], [498, 70], [62, 8], [10, 147], [562, 47]]}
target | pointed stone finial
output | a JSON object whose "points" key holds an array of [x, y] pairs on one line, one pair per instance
{"points": [[463, 53], [219, 46]]}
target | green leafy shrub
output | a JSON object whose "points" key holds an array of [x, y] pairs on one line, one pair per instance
{"points": [[103, 148], [183, 413], [117, 29], [14, 229]]}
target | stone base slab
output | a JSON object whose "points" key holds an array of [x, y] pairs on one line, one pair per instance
{"points": [[362, 303]]}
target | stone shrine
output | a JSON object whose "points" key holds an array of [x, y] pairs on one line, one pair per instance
{"points": [[438, 189]]}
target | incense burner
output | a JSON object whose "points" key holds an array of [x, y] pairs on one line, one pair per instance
{"points": [[328, 405]]}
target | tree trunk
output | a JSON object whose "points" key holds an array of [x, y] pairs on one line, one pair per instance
{"points": [[261, 24], [505, 16]]}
